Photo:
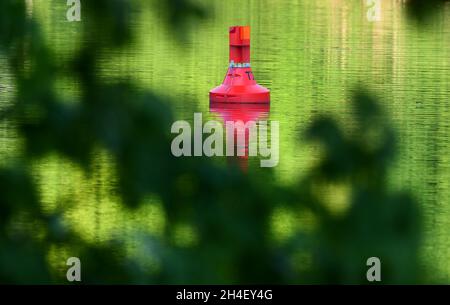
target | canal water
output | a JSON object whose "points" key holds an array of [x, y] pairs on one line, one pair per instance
{"points": [[310, 54]]}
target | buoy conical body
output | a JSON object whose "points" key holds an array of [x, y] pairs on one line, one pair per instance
{"points": [[239, 85]]}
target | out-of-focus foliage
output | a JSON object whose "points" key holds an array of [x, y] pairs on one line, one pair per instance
{"points": [[229, 211], [375, 222], [422, 10]]}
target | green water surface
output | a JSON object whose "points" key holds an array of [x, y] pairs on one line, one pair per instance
{"points": [[310, 54]]}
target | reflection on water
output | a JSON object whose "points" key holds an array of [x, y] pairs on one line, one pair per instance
{"points": [[309, 54], [247, 114]]}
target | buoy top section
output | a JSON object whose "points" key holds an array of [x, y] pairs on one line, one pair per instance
{"points": [[240, 44]]}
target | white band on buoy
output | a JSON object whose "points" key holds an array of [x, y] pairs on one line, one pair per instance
{"points": [[240, 65]]}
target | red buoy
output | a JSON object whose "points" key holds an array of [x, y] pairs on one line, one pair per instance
{"points": [[239, 85]]}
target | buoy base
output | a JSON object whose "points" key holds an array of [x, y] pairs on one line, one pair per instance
{"points": [[240, 94], [239, 86]]}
